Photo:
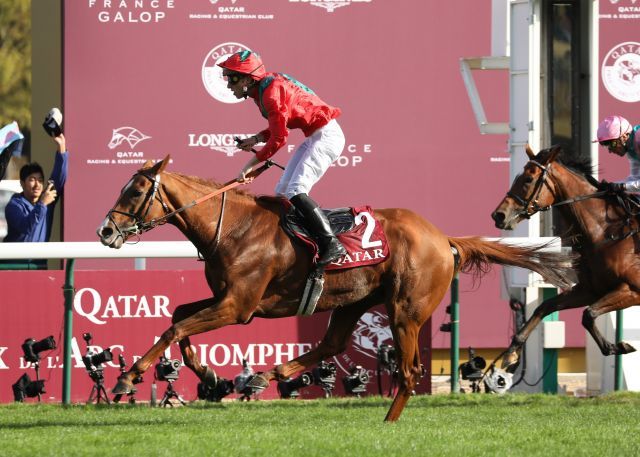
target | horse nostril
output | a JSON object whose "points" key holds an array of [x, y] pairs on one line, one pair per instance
{"points": [[498, 217], [106, 232]]}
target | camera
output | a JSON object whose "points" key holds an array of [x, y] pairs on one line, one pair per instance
{"points": [[290, 387], [223, 388], [387, 357], [167, 369], [52, 122], [324, 375], [356, 382], [33, 348], [472, 370], [25, 387], [94, 361], [498, 381]]}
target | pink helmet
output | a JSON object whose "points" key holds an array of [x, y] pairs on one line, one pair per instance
{"points": [[612, 128], [246, 62]]}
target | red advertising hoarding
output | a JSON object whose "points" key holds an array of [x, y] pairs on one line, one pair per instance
{"points": [[128, 311], [619, 74]]}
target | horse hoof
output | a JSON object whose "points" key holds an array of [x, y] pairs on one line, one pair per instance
{"points": [[210, 379], [510, 362], [258, 382], [123, 386], [624, 348]]}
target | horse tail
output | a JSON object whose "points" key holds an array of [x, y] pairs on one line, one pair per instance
{"points": [[476, 255]]}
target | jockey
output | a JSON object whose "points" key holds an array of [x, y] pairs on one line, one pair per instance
{"points": [[620, 138], [289, 104]]}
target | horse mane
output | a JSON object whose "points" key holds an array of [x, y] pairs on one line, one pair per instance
{"points": [[580, 165], [209, 183]]}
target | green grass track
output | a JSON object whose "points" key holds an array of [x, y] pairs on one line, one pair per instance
{"points": [[456, 425]]}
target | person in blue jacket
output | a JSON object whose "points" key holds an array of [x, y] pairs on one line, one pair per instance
{"points": [[29, 214]]}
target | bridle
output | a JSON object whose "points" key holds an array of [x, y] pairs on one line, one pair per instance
{"points": [[532, 202], [140, 226]]}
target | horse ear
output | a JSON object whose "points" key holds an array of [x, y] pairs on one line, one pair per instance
{"points": [[159, 166], [555, 150], [529, 152], [147, 164]]}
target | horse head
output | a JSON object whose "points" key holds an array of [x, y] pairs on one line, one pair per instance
{"points": [[134, 211], [530, 192]]}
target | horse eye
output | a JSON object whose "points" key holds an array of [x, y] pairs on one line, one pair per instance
{"points": [[136, 193], [528, 179]]}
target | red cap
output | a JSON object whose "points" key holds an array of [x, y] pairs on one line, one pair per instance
{"points": [[246, 62]]}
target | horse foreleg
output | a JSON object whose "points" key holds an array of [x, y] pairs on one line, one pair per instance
{"points": [[204, 373], [621, 298], [211, 316], [341, 326], [574, 298]]}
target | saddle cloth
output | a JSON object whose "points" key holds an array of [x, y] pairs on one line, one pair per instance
{"points": [[356, 228]]}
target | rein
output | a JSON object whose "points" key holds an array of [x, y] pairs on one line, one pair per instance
{"points": [[140, 225], [532, 202]]}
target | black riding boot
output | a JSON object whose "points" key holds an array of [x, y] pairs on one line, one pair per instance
{"points": [[318, 225]]}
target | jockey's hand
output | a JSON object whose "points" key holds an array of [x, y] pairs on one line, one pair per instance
{"points": [[242, 177], [248, 143]]}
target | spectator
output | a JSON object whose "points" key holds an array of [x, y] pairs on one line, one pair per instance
{"points": [[29, 214]]}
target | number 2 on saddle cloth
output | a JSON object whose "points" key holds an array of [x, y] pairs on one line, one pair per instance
{"points": [[356, 228]]}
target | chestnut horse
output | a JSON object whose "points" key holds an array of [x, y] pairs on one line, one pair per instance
{"points": [[254, 269], [603, 231]]}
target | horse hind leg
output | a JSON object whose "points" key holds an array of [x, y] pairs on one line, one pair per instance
{"points": [[409, 367], [341, 326]]}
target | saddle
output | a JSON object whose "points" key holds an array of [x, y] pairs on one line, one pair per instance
{"points": [[358, 231]]}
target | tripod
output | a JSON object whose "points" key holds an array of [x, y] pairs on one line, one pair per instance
{"points": [[98, 391], [169, 394], [36, 365]]}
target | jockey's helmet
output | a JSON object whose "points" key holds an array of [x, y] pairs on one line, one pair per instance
{"points": [[612, 128], [245, 62]]}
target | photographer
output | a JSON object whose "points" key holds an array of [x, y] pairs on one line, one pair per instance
{"points": [[30, 214]]}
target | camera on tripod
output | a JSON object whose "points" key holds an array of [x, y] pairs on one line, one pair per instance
{"points": [[324, 375], [387, 357], [355, 383], [289, 388], [167, 369], [472, 370], [93, 361], [32, 348], [94, 364]]}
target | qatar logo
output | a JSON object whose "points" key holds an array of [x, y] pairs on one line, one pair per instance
{"points": [[212, 74], [330, 5], [131, 135], [372, 331], [621, 72]]}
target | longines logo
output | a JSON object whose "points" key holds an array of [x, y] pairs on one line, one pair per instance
{"points": [[223, 142], [621, 72], [212, 74], [330, 5]]}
